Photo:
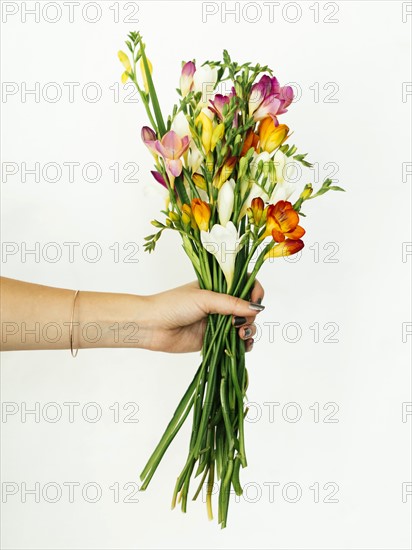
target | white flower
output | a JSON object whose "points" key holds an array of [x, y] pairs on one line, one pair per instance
{"points": [[204, 81], [181, 126], [225, 201], [286, 177], [194, 158], [224, 244]]}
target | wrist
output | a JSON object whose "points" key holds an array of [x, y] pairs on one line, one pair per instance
{"points": [[109, 320]]}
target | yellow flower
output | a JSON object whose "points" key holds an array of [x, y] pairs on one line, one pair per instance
{"points": [[207, 130], [126, 64]]}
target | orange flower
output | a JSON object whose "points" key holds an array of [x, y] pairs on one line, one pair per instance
{"points": [[257, 208], [282, 222], [287, 248], [201, 213], [271, 136], [251, 140]]}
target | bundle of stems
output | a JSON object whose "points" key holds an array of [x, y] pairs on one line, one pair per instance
{"points": [[217, 396]]}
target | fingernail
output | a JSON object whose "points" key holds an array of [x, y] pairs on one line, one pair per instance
{"points": [[256, 306], [259, 301], [250, 346], [248, 332], [239, 321]]}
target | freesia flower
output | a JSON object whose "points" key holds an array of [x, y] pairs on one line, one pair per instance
{"points": [[194, 158], [199, 181], [149, 138], [217, 135], [207, 130], [126, 64], [286, 95], [180, 125], [171, 148], [225, 201], [282, 222], [263, 100], [286, 176], [225, 172], [218, 103], [251, 140], [204, 80], [268, 99], [159, 178], [201, 213], [285, 248], [271, 136], [257, 206], [224, 244], [186, 78]]}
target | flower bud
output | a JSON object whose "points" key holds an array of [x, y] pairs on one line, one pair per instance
{"points": [[257, 206], [199, 181], [143, 71], [173, 216], [217, 135]]}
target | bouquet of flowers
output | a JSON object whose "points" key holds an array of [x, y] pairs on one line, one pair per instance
{"points": [[222, 157]]}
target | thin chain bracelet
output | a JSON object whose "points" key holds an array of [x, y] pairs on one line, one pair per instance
{"points": [[71, 325]]}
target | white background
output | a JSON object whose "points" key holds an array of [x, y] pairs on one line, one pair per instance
{"points": [[366, 56]]}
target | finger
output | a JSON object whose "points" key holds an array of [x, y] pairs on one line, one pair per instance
{"points": [[249, 344], [258, 293], [247, 331], [215, 302], [240, 321]]}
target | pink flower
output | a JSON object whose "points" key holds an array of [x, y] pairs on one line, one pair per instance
{"points": [[217, 104], [171, 148]]}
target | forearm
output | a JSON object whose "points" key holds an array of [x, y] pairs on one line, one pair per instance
{"points": [[38, 317]]}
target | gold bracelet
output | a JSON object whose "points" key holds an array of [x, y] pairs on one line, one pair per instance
{"points": [[71, 325]]}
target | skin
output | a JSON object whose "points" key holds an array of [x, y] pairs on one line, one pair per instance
{"points": [[37, 317]]}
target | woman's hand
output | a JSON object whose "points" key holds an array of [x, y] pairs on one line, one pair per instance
{"points": [[175, 320], [39, 317]]}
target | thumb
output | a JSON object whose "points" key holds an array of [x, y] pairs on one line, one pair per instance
{"points": [[216, 302]]}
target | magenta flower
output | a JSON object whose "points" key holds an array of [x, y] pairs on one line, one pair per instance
{"points": [[268, 99], [186, 78], [286, 95], [217, 104]]}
